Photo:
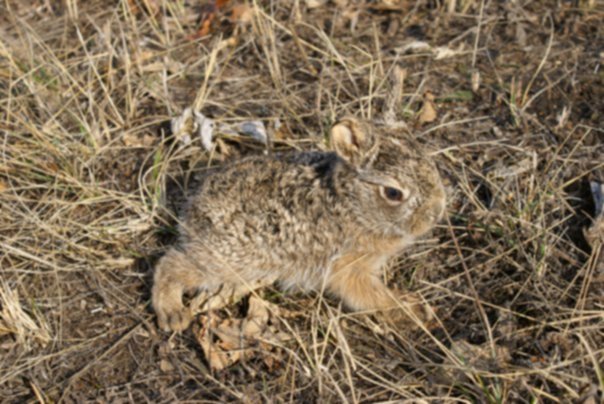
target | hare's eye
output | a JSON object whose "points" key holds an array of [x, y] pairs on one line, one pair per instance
{"points": [[393, 194]]}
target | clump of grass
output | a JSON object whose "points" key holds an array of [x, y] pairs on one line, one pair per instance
{"points": [[26, 330]]}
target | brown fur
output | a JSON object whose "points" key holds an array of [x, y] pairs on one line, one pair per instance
{"points": [[314, 219]]}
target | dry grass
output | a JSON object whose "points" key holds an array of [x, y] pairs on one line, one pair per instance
{"points": [[90, 179]]}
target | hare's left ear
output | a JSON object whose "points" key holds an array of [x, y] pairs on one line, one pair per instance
{"points": [[353, 140]]}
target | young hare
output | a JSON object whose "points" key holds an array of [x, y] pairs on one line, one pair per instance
{"points": [[314, 219]]}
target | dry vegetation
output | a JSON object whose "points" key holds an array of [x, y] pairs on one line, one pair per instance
{"points": [[509, 96]]}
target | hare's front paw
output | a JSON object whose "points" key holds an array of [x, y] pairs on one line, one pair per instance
{"points": [[175, 274], [172, 315]]}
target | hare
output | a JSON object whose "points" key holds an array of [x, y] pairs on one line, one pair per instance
{"points": [[316, 220]]}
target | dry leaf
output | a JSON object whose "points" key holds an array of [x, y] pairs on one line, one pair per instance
{"points": [[475, 80], [444, 52], [224, 149], [150, 6], [191, 123], [257, 317], [386, 5], [207, 16], [439, 52], [255, 129], [428, 112], [143, 56], [353, 17], [480, 356], [315, 3], [241, 14], [183, 126], [226, 342], [216, 357], [281, 131], [414, 46], [227, 294], [595, 234], [514, 170], [133, 140], [165, 366], [205, 131], [560, 341]]}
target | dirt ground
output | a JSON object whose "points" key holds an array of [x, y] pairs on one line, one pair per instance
{"points": [[508, 96]]}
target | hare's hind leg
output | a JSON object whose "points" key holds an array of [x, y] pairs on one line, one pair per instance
{"points": [[175, 274]]}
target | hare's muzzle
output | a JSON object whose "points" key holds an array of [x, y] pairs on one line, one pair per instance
{"points": [[427, 216]]}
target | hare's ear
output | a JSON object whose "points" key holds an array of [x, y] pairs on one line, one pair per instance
{"points": [[353, 141]]}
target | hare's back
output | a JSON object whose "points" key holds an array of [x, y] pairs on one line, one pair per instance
{"points": [[268, 211], [267, 194]]}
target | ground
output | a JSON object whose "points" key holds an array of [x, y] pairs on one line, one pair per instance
{"points": [[507, 96]]}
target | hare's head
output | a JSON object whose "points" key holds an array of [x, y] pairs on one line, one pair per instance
{"points": [[398, 189]]}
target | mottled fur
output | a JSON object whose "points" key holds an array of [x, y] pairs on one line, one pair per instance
{"points": [[317, 220]]}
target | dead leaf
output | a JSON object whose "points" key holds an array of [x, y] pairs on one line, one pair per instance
{"points": [[281, 131], [439, 52], [386, 5], [428, 112], [137, 140], [475, 80], [191, 123], [254, 129], [315, 3], [351, 15], [241, 14], [559, 341], [224, 150], [208, 14], [216, 357], [227, 341], [206, 131], [525, 165], [595, 234], [148, 6], [414, 46], [227, 294], [480, 356], [257, 318], [444, 52], [165, 366]]}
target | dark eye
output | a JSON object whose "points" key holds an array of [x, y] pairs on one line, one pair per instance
{"points": [[393, 194]]}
